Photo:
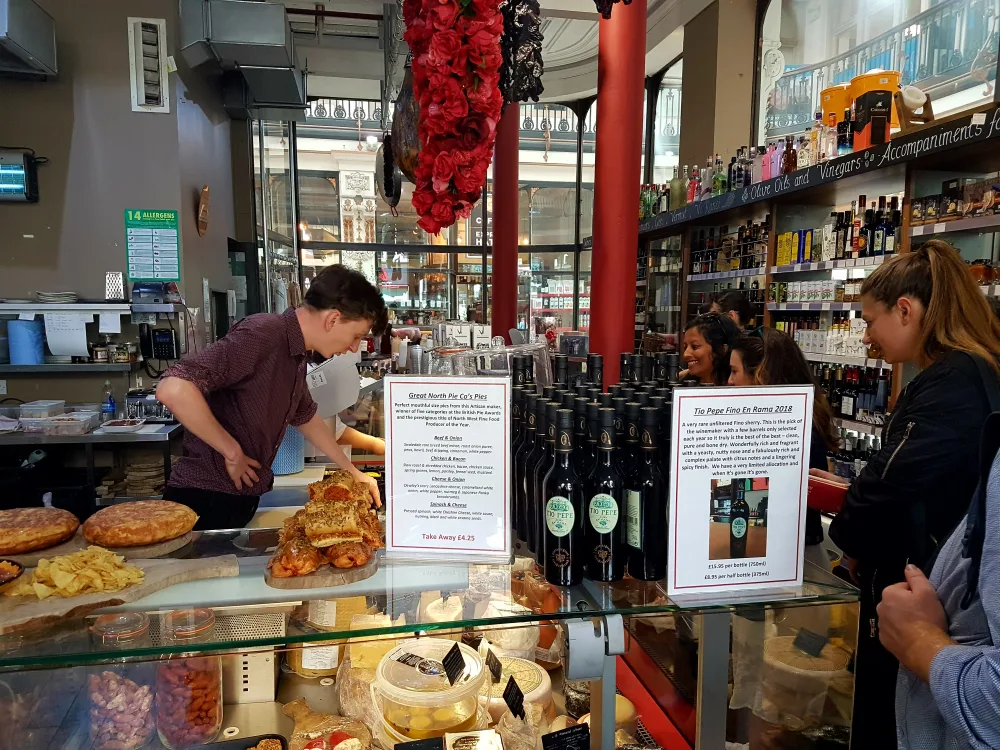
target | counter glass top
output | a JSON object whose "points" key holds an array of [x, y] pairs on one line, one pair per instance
{"points": [[518, 594]]}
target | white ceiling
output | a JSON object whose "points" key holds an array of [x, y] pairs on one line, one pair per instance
{"points": [[344, 56]]}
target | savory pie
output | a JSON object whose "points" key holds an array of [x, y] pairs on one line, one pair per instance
{"points": [[139, 523], [330, 523], [31, 529]]}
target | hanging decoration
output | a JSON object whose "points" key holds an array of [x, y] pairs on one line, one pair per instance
{"points": [[521, 45], [604, 6], [456, 73]]}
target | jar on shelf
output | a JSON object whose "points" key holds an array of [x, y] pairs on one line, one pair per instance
{"points": [[188, 685], [121, 693], [982, 271]]}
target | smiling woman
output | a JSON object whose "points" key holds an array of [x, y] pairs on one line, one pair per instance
{"points": [[708, 340]]}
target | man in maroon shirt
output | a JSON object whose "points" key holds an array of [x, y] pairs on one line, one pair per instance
{"points": [[236, 398]]}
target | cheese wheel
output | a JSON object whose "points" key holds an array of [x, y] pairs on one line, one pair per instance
{"points": [[445, 610], [534, 682], [626, 719]]}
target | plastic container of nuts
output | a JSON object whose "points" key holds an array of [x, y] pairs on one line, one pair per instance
{"points": [[121, 694], [188, 685]]}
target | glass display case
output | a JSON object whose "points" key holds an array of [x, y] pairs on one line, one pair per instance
{"points": [[733, 663]]}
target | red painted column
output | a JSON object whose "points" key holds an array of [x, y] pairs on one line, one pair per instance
{"points": [[505, 158], [620, 74]]}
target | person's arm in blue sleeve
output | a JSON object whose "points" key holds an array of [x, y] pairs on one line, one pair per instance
{"points": [[965, 680]]}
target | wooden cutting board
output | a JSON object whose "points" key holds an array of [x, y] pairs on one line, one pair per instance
{"points": [[77, 543], [325, 577], [22, 612]]}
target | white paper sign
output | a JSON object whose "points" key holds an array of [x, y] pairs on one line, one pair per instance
{"points": [[66, 333], [738, 488], [447, 467], [109, 322]]}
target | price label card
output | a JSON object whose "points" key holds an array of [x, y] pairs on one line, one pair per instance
{"points": [[738, 487], [571, 738], [447, 467]]}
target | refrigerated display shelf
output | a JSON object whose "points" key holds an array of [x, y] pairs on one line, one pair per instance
{"points": [[826, 265], [813, 306], [725, 274]]}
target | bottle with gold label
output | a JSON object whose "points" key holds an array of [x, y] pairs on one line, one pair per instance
{"points": [[646, 507], [563, 546], [541, 469], [605, 492]]}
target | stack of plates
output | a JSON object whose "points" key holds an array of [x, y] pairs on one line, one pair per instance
{"points": [[144, 473], [57, 297]]}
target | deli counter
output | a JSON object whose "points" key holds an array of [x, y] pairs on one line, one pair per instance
{"points": [[321, 665]]}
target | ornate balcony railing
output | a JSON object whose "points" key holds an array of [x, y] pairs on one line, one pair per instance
{"points": [[947, 42]]}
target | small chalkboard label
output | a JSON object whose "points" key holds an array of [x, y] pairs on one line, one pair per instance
{"points": [[454, 663], [572, 738], [434, 743], [514, 698], [810, 643], [496, 668]]}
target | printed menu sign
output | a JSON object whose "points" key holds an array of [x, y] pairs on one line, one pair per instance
{"points": [[153, 245], [447, 467], [738, 488]]}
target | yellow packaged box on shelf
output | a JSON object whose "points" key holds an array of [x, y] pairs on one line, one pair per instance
{"points": [[807, 240], [782, 253]]}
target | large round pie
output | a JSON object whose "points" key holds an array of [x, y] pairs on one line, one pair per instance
{"points": [[30, 529], [139, 523]]}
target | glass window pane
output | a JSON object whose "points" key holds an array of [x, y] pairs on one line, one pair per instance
{"points": [[547, 175], [587, 182], [667, 125], [337, 146], [550, 294]]}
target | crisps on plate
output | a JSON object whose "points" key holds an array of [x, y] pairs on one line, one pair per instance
{"points": [[88, 571]]}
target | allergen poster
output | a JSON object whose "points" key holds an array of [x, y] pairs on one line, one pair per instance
{"points": [[447, 467], [738, 488], [152, 241]]}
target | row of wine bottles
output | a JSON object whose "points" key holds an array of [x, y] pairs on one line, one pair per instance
{"points": [[589, 469]]}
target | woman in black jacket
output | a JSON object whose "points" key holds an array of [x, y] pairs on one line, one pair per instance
{"points": [[922, 307]]}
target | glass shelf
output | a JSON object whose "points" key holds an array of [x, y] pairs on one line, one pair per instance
{"points": [[397, 588]]}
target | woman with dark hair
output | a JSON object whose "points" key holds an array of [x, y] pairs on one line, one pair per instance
{"points": [[770, 357], [708, 340]]}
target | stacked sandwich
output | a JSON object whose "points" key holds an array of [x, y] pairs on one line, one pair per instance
{"points": [[337, 526]]}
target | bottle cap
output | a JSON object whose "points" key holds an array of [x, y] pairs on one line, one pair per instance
{"points": [[564, 419]]}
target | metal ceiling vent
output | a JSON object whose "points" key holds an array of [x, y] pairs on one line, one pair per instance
{"points": [[147, 57]]}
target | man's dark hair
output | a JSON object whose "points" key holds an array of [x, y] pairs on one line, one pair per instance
{"points": [[735, 301], [341, 288]]}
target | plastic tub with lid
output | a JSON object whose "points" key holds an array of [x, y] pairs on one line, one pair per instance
{"points": [[41, 409], [414, 696]]}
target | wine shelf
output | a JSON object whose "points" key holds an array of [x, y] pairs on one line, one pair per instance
{"points": [[971, 224], [862, 427], [836, 359]]}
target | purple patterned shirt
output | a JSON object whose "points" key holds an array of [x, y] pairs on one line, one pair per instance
{"points": [[254, 381]]}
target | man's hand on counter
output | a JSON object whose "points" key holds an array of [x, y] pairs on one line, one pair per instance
{"points": [[241, 468], [360, 476]]}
